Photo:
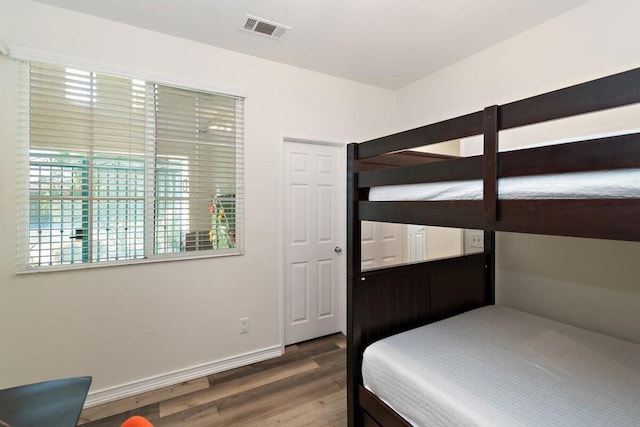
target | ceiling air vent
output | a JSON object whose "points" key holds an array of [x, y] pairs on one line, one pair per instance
{"points": [[265, 28]]}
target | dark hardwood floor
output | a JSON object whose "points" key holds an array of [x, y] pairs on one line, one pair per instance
{"points": [[304, 387]]}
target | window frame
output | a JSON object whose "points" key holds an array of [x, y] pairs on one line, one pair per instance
{"points": [[23, 264]]}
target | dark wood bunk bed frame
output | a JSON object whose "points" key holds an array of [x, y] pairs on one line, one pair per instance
{"points": [[386, 301]]}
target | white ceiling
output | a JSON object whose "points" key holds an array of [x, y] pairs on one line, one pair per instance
{"points": [[386, 43]]}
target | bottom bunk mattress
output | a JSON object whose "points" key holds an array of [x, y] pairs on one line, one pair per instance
{"points": [[499, 366]]}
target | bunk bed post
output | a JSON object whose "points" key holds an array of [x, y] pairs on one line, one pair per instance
{"points": [[490, 265], [490, 177], [354, 329], [490, 166]]}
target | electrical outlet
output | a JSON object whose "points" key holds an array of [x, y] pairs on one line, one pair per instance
{"points": [[476, 239], [244, 325]]}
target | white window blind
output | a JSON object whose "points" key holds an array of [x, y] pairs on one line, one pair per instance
{"points": [[122, 169]]}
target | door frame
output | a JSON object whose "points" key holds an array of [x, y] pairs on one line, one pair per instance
{"points": [[341, 230]]}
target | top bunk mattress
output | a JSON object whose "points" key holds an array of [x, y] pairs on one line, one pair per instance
{"points": [[497, 366], [606, 184]]}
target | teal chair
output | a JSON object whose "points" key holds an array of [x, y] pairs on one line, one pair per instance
{"points": [[50, 403]]}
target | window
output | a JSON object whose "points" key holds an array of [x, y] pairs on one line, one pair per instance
{"points": [[122, 170]]}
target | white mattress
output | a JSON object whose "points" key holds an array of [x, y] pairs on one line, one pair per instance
{"points": [[496, 366], [614, 184]]}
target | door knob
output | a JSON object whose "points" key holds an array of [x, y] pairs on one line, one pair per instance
{"points": [[337, 249]]}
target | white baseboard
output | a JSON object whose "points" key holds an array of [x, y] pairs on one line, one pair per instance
{"points": [[100, 397]]}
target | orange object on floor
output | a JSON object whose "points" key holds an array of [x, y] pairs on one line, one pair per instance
{"points": [[137, 421]]}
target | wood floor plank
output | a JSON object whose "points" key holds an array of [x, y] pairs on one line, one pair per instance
{"points": [[341, 380], [201, 416], [239, 385], [150, 412], [305, 350], [144, 399], [232, 374], [276, 388], [332, 360], [291, 348], [341, 341], [255, 404], [319, 345], [292, 353], [327, 411], [257, 410]]}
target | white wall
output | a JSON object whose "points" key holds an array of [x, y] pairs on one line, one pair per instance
{"points": [[589, 283], [125, 324]]}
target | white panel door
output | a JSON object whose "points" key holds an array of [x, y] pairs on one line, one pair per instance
{"points": [[311, 240], [416, 243], [382, 244]]}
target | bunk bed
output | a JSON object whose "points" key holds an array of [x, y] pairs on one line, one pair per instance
{"points": [[436, 308]]}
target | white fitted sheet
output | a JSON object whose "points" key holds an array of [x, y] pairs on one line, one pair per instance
{"points": [[497, 366], [613, 184]]}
